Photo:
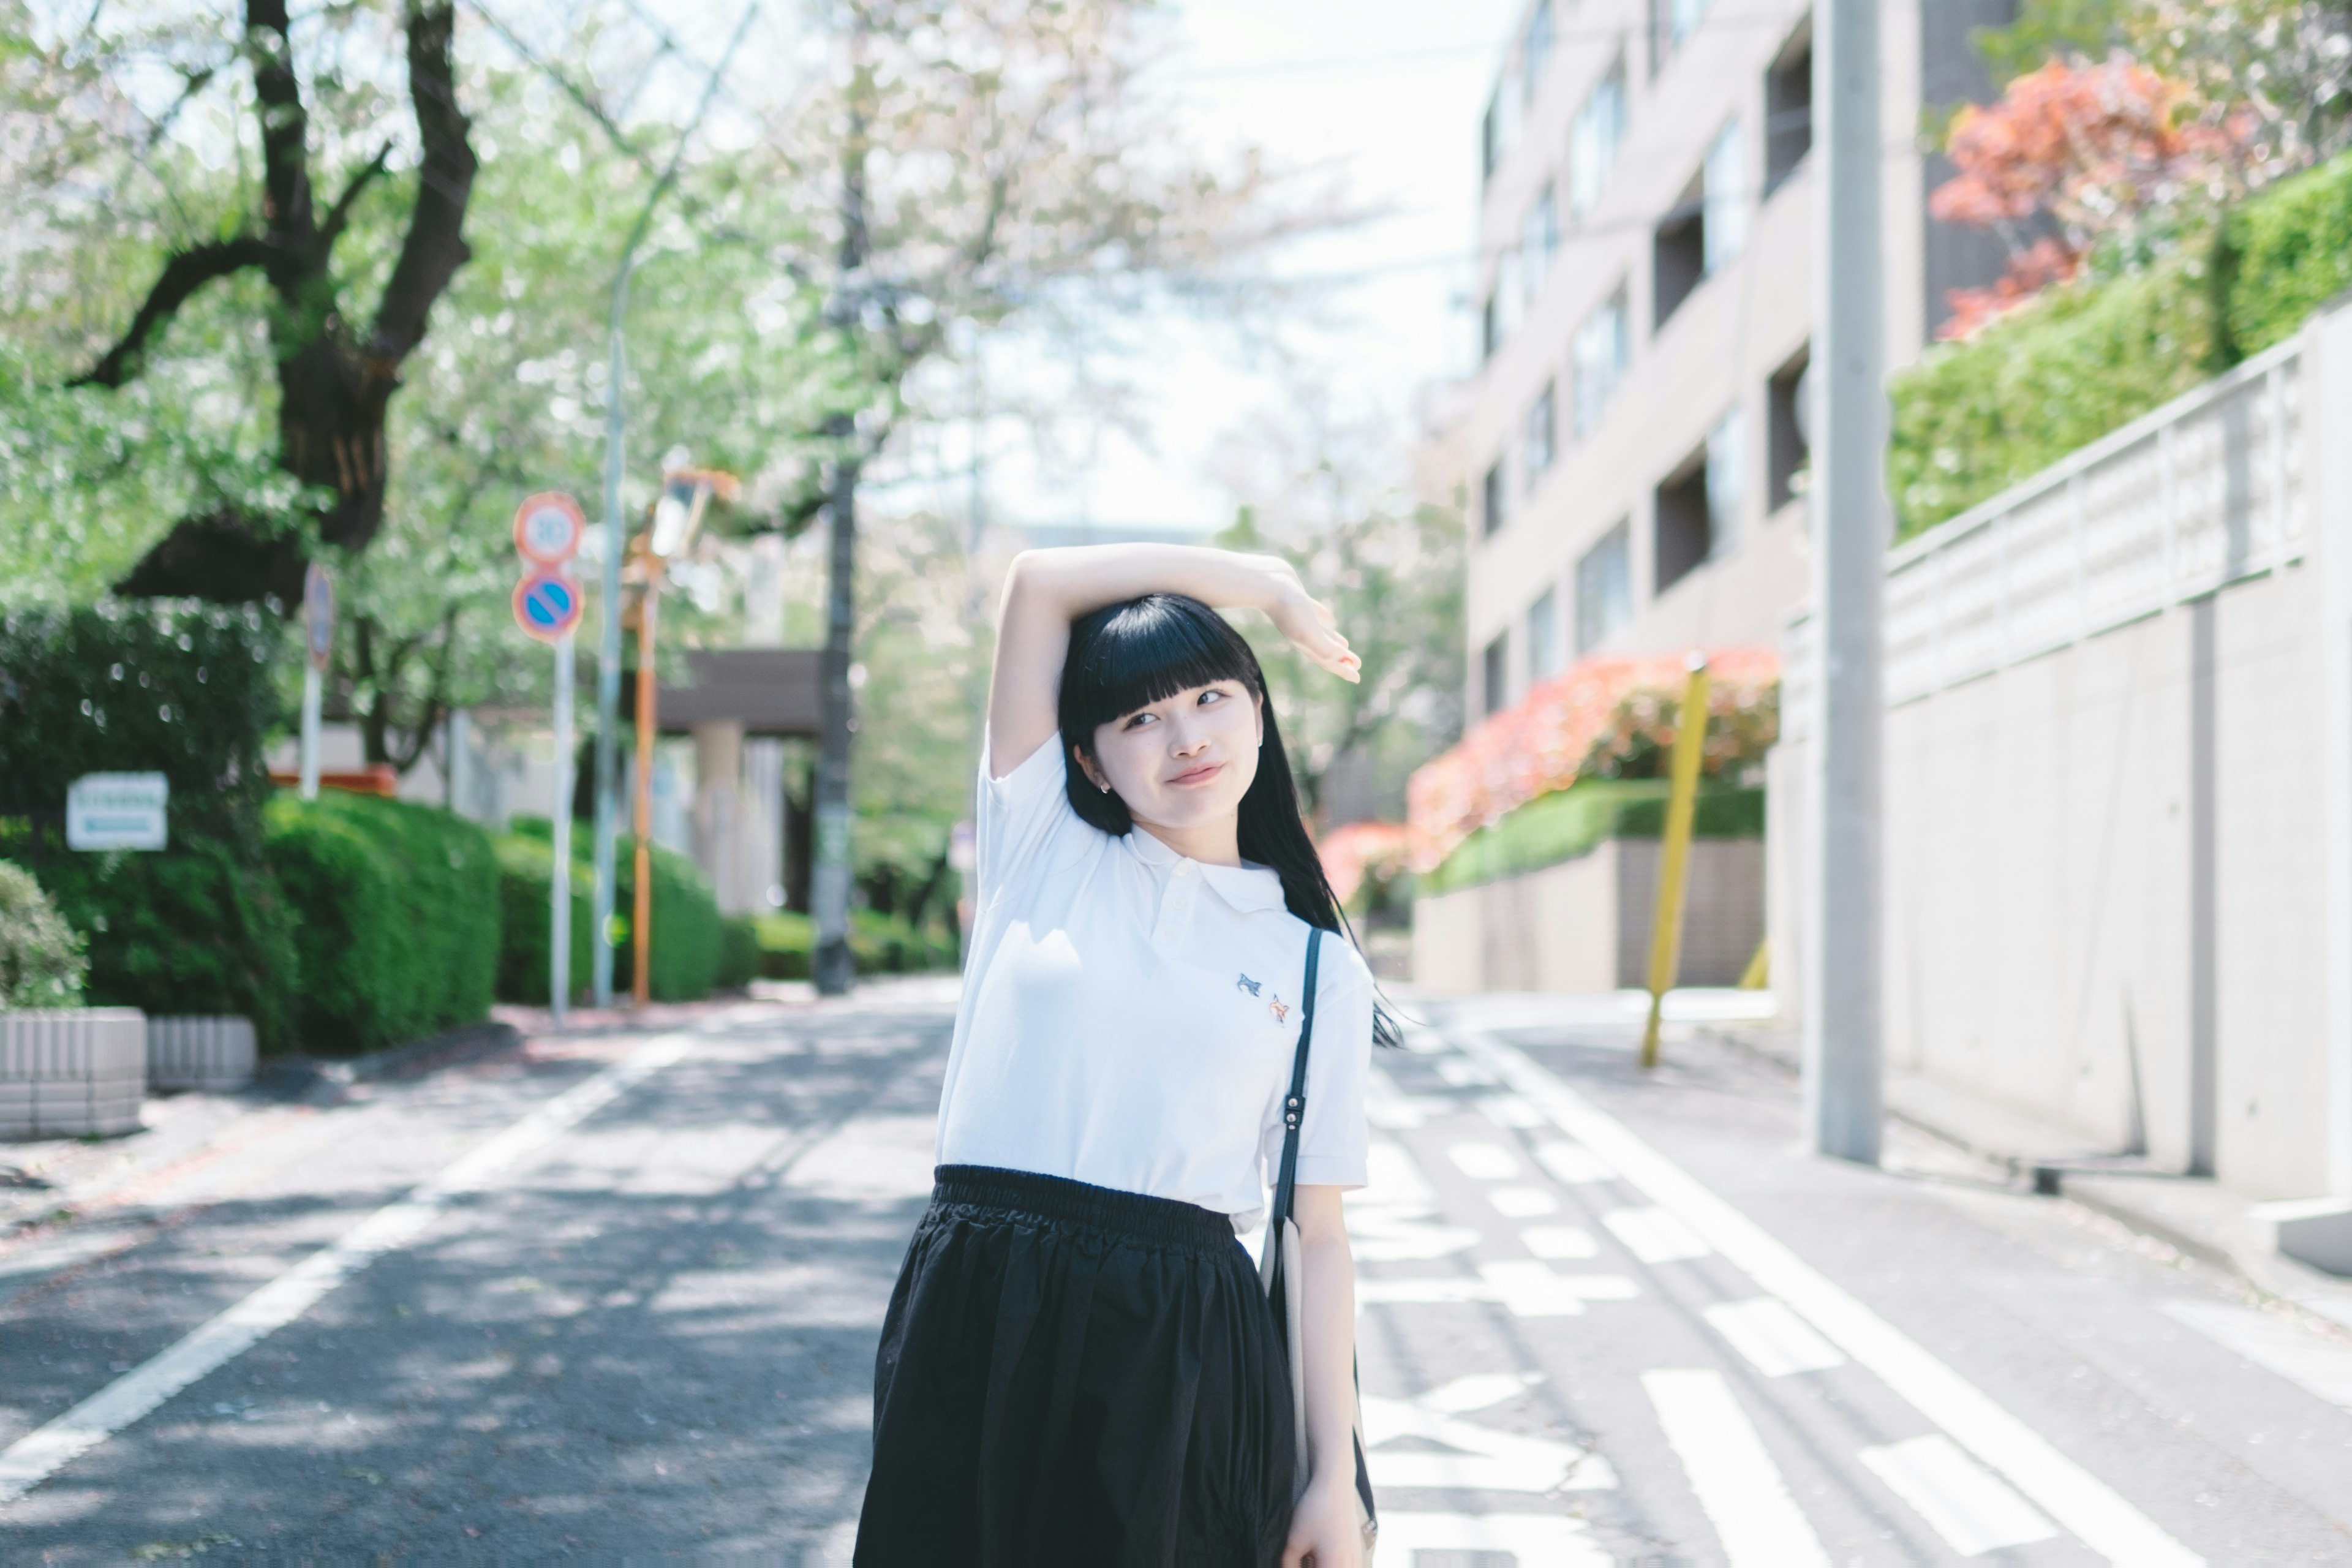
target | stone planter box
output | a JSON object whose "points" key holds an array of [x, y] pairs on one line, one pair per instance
{"points": [[214, 1054], [71, 1071]]}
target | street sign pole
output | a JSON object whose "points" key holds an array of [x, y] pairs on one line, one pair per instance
{"points": [[1842, 909], [319, 647], [559, 914]]}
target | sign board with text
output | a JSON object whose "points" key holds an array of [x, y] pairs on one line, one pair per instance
{"points": [[117, 810]]}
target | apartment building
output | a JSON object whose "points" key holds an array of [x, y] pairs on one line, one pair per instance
{"points": [[1634, 439]]}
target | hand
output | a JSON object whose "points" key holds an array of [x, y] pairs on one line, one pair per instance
{"points": [[1313, 630], [1323, 1528]]}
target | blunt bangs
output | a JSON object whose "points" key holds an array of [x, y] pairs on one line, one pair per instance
{"points": [[1129, 656]]}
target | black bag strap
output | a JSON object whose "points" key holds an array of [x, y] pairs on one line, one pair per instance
{"points": [[1293, 1104]]}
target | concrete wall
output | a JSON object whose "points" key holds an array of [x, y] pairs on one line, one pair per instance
{"points": [[1584, 924], [2116, 787]]}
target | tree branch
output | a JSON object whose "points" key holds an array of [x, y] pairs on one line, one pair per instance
{"points": [[341, 213], [435, 245], [285, 123], [185, 272]]}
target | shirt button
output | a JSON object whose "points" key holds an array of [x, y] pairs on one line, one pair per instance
{"points": [[1183, 867]]}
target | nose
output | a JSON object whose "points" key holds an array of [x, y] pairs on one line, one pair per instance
{"points": [[1184, 743]]}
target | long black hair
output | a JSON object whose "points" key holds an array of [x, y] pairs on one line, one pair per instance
{"points": [[1129, 656]]}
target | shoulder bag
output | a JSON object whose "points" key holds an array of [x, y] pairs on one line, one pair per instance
{"points": [[1279, 1267]]}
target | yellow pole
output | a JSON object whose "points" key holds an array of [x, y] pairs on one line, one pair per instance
{"points": [[1674, 856], [641, 918]]}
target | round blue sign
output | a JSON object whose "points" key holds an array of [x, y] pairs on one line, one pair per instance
{"points": [[547, 604]]}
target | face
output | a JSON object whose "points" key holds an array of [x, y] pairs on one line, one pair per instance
{"points": [[1183, 762]]}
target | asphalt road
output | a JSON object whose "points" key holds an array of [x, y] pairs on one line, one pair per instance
{"points": [[617, 1296]]}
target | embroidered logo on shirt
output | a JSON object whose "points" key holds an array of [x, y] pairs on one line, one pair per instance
{"points": [[1278, 1007], [1244, 983]]}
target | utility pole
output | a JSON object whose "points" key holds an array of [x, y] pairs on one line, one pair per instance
{"points": [[829, 884], [1842, 906]]}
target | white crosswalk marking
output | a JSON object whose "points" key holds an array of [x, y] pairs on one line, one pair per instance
{"points": [[2318, 1367], [1537, 1540], [1509, 1110], [2079, 1502], [1514, 1283], [1559, 1241], [1735, 1481], [1966, 1504], [1474, 1457], [1775, 1341], [1484, 1161], [1478, 1391], [1573, 1162], [1655, 1235], [1523, 1203]]}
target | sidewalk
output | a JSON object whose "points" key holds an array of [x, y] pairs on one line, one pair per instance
{"points": [[2192, 1214]]}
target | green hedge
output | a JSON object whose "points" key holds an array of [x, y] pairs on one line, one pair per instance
{"points": [[1572, 821], [1973, 418], [879, 945], [398, 917], [689, 946], [739, 953], [526, 895]]}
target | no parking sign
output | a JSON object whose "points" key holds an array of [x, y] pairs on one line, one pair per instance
{"points": [[547, 605]]}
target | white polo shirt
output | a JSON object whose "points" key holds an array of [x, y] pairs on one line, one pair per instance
{"points": [[1130, 1016]]}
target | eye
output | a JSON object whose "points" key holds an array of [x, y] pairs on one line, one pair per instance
{"points": [[1211, 695], [1137, 720]]}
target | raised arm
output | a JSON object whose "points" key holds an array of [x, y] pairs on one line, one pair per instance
{"points": [[1048, 589]]}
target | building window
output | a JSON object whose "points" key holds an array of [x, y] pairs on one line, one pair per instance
{"points": [[1490, 499], [1543, 636], [1490, 328], [1490, 142], [1541, 439], [1788, 110], [1495, 674], [1598, 356], [1539, 242], [1605, 589], [1500, 131], [1727, 191], [1788, 453], [1536, 52], [1593, 138], [1707, 227], [1671, 22], [1698, 505]]}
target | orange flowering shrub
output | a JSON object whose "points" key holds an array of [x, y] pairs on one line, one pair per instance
{"points": [[1350, 852], [1543, 745]]}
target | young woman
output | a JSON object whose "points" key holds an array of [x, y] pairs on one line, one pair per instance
{"points": [[1078, 1366]]}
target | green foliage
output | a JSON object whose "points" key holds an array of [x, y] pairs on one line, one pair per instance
{"points": [[1571, 822], [2050, 29], [689, 933], [2284, 255], [138, 686], [1973, 418], [41, 959], [199, 928], [399, 917], [526, 896], [739, 953], [879, 945]]}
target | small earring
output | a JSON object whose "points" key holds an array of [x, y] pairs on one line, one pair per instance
{"points": [[1105, 788]]}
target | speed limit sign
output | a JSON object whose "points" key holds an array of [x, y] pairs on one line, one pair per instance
{"points": [[548, 527]]}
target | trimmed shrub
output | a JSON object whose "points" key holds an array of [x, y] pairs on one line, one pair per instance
{"points": [[41, 962], [1572, 821], [688, 936], [526, 893], [397, 911], [195, 929], [2087, 358], [739, 953], [787, 945], [879, 945]]}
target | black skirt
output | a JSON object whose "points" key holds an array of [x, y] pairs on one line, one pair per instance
{"points": [[1070, 1375]]}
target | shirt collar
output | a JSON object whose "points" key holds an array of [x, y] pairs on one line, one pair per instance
{"points": [[1247, 888]]}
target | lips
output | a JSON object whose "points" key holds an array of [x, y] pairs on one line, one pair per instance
{"points": [[1199, 775]]}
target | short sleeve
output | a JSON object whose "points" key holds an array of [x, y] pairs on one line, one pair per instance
{"points": [[1334, 1140], [1020, 814]]}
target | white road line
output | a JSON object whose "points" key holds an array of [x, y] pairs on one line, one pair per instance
{"points": [[1775, 1341], [1655, 1235], [1484, 1161], [1573, 1162], [1559, 1241], [1523, 1292], [1968, 1506], [2070, 1494], [41, 1453], [1509, 1110], [1476, 1458], [1478, 1391], [1522, 1203], [1759, 1522], [1552, 1540], [2303, 1359]]}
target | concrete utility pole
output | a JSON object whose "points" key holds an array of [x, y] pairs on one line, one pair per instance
{"points": [[829, 884], [1842, 945]]}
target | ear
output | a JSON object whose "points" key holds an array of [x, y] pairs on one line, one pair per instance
{"points": [[1087, 766]]}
